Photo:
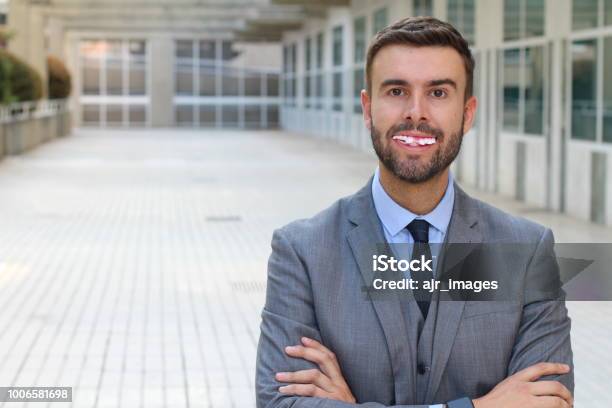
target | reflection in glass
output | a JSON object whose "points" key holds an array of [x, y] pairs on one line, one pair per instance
{"points": [[114, 76], [534, 90], [511, 89], [584, 14], [584, 74], [607, 91]]}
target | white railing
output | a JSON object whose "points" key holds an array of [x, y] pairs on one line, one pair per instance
{"points": [[15, 112]]}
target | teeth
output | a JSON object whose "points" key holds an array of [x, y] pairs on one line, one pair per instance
{"points": [[415, 141]]}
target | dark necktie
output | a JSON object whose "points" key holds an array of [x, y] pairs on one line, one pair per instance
{"points": [[419, 229]]}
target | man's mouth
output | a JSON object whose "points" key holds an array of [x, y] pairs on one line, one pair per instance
{"points": [[415, 141]]}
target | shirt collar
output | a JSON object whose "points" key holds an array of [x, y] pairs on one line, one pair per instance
{"points": [[395, 218]]}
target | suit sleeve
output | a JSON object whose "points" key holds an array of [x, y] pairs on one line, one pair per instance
{"points": [[289, 314], [544, 334]]}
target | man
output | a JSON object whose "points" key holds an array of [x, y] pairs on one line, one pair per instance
{"points": [[325, 343]]}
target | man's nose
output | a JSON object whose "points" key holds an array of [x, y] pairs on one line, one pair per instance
{"points": [[416, 109]]}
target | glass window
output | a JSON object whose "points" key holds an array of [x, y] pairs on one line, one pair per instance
{"points": [[584, 74], [137, 78], [512, 9], [252, 116], [184, 49], [207, 115], [308, 54], [534, 25], [607, 91], [230, 116], [207, 79], [252, 84], [584, 14], [184, 79], [337, 46], [523, 19], [91, 114], [207, 50], [359, 81], [272, 84], [227, 53], [423, 7], [114, 115], [380, 20], [319, 91], [230, 82], [137, 114], [608, 12], [337, 88], [320, 50], [534, 90], [511, 89], [91, 76], [461, 15], [114, 76], [359, 30], [184, 115]]}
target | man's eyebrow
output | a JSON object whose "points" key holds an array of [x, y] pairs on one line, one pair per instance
{"points": [[403, 82], [388, 82], [445, 81]]}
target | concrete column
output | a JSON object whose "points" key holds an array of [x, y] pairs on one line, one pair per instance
{"points": [[161, 86]]}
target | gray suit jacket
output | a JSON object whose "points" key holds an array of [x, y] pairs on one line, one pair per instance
{"points": [[316, 273]]}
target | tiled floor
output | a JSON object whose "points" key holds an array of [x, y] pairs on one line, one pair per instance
{"points": [[132, 264]]}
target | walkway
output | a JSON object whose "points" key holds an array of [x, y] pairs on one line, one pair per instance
{"points": [[132, 264]]}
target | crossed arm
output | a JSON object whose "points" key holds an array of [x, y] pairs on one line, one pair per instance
{"points": [[309, 375]]}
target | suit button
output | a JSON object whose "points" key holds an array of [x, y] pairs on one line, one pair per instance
{"points": [[422, 368]]}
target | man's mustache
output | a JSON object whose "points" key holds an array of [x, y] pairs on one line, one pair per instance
{"points": [[421, 128]]}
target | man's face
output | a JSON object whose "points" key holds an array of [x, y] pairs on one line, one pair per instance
{"points": [[417, 112]]}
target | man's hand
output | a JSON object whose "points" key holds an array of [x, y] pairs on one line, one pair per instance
{"points": [[521, 390], [327, 382]]}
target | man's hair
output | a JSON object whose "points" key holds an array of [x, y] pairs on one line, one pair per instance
{"points": [[422, 32]]}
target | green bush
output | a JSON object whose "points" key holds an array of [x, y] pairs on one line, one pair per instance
{"points": [[18, 81], [60, 82]]}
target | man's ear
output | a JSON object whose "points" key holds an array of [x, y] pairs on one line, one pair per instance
{"points": [[469, 113], [366, 108]]}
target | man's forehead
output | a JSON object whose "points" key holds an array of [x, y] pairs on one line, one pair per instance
{"points": [[417, 64]]}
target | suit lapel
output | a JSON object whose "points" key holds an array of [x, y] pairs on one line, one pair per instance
{"points": [[463, 228], [363, 240]]}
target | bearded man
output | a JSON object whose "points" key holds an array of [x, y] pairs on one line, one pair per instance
{"points": [[326, 343]]}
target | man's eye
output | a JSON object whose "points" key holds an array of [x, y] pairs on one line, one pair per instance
{"points": [[396, 92], [438, 93]]}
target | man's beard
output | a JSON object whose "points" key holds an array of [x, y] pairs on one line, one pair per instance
{"points": [[408, 168]]}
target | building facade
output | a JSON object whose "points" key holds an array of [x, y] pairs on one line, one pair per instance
{"points": [[543, 132], [138, 63]]}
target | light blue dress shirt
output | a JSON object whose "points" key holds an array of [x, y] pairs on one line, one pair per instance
{"points": [[395, 218]]}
